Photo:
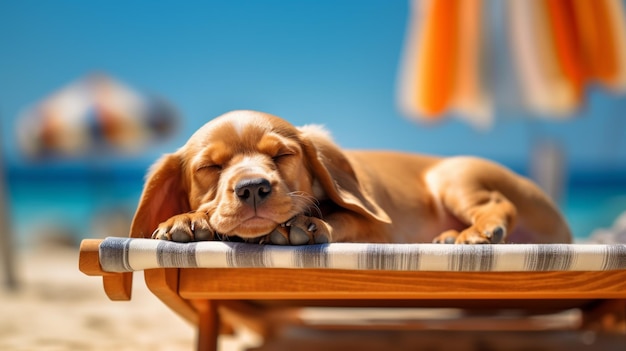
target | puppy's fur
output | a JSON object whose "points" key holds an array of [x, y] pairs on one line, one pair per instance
{"points": [[254, 177]]}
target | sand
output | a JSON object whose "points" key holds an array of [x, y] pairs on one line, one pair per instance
{"points": [[58, 308]]}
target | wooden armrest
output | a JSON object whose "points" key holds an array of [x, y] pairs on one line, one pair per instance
{"points": [[88, 257], [117, 286]]}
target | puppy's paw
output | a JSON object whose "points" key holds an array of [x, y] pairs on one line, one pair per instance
{"points": [[447, 237], [193, 226], [300, 230], [490, 234], [487, 234]]}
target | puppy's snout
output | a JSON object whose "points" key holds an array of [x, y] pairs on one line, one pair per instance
{"points": [[253, 191]]}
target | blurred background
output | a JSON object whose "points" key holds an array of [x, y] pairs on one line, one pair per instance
{"points": [[91, 93]]}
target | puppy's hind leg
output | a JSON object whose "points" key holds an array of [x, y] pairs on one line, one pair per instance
{"points": [[489, 215]]}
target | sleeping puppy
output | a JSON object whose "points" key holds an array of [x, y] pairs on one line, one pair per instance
{"points": [[250, 176]]}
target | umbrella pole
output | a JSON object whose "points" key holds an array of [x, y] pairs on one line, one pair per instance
{"points": [[7, 254]]}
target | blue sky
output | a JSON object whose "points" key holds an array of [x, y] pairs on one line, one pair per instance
{"points": [[327, 62]]}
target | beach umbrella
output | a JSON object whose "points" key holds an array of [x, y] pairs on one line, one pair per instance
{"points": [[555, 48], [471, 57], [94, 114]]}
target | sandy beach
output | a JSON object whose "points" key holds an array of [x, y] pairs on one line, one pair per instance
{"points": [[58, 308]]}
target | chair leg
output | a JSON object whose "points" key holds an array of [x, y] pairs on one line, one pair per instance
{"points": [[208, 325], [608, 316]]}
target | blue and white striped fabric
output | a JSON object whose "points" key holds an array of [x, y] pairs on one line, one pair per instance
{"points": [[125, 255]]}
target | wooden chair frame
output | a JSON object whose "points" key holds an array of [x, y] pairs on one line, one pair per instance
{"points": [[213, 299]]}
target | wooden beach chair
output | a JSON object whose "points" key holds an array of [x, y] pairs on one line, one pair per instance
{"points": [[215, 285]]}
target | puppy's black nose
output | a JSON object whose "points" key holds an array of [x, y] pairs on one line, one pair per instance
{"points": [[253, 191]]}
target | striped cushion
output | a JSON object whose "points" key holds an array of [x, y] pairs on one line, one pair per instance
{"points": [[125, 255]]}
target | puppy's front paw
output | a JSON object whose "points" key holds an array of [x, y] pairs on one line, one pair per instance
{"points": [[193, 226], [490, 234], [447, 237], [300, 230]]}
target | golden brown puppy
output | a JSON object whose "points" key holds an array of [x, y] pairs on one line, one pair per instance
{"points": [[252, 176]]}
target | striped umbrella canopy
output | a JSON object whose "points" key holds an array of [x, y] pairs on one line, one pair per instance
{"points": [[458, 52], [91, 115]]}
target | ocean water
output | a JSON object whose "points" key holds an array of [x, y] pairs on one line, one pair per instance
{"points": [[76, 208], [83, 208]]}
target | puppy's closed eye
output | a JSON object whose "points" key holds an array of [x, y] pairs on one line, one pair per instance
{"points": [[283, 156], [210, 167]]}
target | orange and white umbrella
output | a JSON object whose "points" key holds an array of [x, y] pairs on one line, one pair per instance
{"points": [[558, 49]]}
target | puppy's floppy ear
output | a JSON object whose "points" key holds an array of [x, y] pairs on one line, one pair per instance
{"points": [[163, 196], [335, 174]]}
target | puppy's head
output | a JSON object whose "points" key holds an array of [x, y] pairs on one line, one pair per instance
{"points": [[250, 172]]}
